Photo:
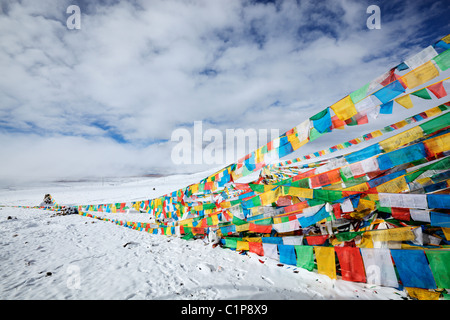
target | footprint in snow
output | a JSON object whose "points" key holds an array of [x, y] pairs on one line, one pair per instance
{"points": [[205, 267], [131, 244]]}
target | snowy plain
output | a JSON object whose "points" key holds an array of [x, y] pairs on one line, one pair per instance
{"points": [[43, 256]]}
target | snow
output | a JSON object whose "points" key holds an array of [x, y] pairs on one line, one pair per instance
{"points": [[43, 256]]}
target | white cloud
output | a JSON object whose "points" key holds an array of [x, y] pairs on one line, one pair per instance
{"points": [[140, 69]]}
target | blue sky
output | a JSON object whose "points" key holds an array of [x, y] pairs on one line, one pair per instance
{"points": [[108, 96]]}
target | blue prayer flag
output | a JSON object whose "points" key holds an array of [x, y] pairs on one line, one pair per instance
{"points": [[413, 268], [287, 254], [390, 91]]}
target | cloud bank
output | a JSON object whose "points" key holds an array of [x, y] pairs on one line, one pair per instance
{"points": [[104, 100]]}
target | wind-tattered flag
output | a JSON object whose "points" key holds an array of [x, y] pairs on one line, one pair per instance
{"points": [[413, 268]]}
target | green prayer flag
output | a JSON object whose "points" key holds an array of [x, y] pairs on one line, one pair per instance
{"points": [[256, 201], [359, 94], [314, 134], [347, 236], [238, 221], [422, 94], [305, 257], [443, 60], [256, 187], [327, 195], [188, 236], [436, 124], [264, 222], [231, 242], [319, 115], [439, 261]]}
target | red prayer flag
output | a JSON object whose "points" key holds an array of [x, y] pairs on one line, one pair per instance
{"points": [[401, 214], [362, 120], [337, 123], [197, 230], [256, 247], [352, 266], [438, 90], [337, 210], [258, 228], [316, 240]]}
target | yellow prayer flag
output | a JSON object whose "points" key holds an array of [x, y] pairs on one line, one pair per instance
{"points": [[376, 133], [243, 227], [424, 181], [365, 204], [344, 108], [446, 233], [405, 101], [215, 219], [242, 245], [366, 241], [298, 192], [269, 197], [326, 261], [422, 294], [225, 204], [438, 144], [433, 111], [194, 188], [401, 139], [446, 39], [396, 234], [359, 187], [420, 75], [396, 185], [297, 143], [253, 239]]}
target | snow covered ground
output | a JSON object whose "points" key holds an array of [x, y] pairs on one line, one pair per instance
{"points": [[43, 256]]}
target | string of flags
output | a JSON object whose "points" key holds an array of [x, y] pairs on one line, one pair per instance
{"points": [[378, 215]]}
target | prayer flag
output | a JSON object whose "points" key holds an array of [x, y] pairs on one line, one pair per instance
{"points": [[352, 267], [344, 108], [438, 90], [287, 254], [413, 268], [405, 101], [439, 263], [326, 263], [305, 257], [420, 75]]}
